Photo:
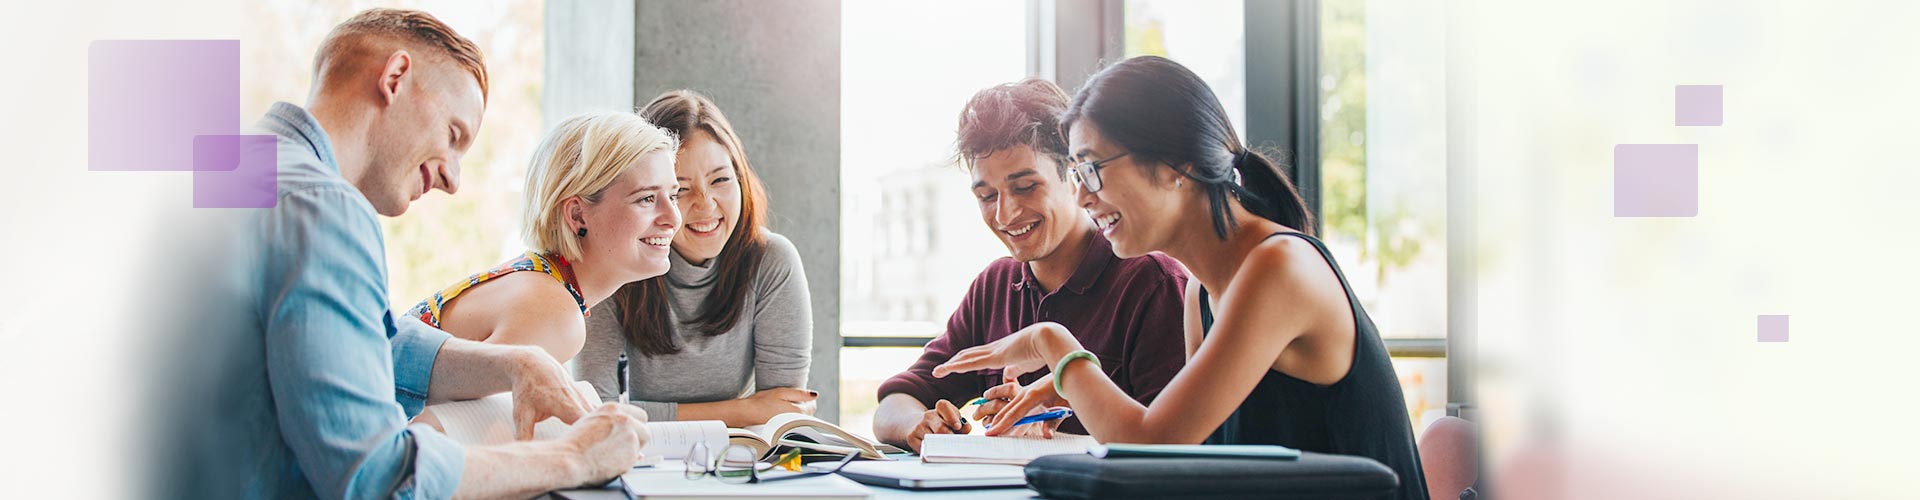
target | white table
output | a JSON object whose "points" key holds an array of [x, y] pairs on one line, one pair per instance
{"points": [[672, 472]]}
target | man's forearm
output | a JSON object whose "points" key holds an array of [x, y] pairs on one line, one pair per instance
{"points": [[466, 369], [520, 470], [898, 414]]}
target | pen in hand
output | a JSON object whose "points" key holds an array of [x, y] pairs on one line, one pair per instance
{"points": [[1041, 417], [963, 420]]}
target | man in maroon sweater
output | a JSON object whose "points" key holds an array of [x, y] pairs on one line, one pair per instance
{"points": [[1127, 311]]}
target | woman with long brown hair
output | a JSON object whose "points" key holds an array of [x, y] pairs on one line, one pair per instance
{"points": [[727, 333]]}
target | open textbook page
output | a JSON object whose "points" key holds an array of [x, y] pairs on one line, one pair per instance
{"points": [[489, 420]]}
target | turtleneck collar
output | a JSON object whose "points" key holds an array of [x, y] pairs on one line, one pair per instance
{"points": [[684, 274]]}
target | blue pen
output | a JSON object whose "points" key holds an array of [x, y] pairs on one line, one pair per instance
{"points": [[1042, 417]]}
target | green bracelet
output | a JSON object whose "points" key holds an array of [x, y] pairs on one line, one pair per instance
{"points": [[1059, 369]]}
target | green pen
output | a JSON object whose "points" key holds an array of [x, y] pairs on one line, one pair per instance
{"points": [[976, 402]]}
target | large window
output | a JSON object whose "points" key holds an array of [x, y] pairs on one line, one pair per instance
{"points": [[911, 242], [911, 238], [442, 238], [1383, 171], [1206, 36], [1384, 220]]}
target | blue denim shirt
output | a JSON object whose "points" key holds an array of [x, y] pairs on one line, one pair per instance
{"points": [[315, 376]]}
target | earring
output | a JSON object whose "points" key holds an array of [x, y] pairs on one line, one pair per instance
{"points": [[582, 233], [1179, 183]]}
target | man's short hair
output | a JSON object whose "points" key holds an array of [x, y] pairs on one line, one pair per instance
{"points": [[1025, 113], [414, 29]]}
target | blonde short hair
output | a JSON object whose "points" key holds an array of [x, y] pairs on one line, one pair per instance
{"points": [[581, 157]]}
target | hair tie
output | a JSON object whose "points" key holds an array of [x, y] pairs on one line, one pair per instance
{"points": [[1239, 159]]}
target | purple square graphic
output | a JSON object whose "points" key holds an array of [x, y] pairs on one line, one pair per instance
{"points": [[148, 99], [1656, 180], [235, 171], [1773, 328], [1696, 105]]}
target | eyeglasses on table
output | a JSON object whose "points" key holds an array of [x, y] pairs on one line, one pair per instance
{"points": [[727, 466]]}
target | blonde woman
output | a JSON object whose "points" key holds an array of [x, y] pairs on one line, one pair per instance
{"points": [[727, 333], [599, 214]]}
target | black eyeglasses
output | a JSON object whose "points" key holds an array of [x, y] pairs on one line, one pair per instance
{"points": [[727, 466], [1086, 174]]}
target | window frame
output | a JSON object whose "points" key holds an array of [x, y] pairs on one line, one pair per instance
{"points": [[1068, 41]]}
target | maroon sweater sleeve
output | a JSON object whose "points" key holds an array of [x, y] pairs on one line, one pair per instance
{"points": [[962, 333], [1156, 342]]}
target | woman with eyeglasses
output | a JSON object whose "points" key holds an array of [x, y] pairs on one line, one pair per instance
{"points": [[1279, 349]]}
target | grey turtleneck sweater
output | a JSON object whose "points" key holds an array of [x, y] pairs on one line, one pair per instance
{"points": [[770, 346]]}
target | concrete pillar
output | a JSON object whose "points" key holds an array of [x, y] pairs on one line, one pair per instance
{"points": [[774, 68], [589, 59]]}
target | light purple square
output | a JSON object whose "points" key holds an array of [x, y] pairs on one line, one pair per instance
{"points": [[148, 99], [235, 171], [1656, 180], [1773, 328], [1696, 105]]}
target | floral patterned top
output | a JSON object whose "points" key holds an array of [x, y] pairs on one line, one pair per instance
{"points": [[554, 265]]}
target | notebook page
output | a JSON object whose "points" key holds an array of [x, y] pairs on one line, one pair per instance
{"points": [[667, 483], [970, 448]]}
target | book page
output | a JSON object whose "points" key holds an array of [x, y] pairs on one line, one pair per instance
{"points": [[789, 422], [672, 440], [830, 438], [827, 438], [489, 420], [811, 427], [968, 448]]}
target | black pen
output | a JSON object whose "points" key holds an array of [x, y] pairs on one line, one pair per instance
{"points": [[623, 378]]}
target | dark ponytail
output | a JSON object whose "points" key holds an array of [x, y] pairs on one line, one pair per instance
{"points": [[1164, 114], [1267, 191]]}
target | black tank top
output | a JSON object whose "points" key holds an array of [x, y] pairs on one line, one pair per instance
{"points": [[1363, 414]]}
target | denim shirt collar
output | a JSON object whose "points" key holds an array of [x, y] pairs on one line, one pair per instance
{"points": [[295, 123]]}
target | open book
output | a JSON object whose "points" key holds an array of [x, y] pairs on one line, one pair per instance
{"points": [[489, 420], [977, 449], [804, 431]]}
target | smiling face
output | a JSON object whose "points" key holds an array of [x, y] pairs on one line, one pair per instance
{"points": [[418, 139], [709, 188], [631, 228], [1025, 202], [1138, 207]]}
